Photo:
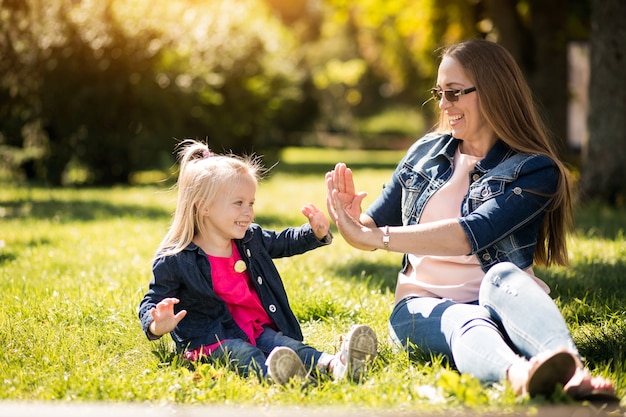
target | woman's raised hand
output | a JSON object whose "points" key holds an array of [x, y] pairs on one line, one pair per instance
{"points": [[340, 187]]}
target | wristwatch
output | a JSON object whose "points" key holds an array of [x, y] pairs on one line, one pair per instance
{"points": [[386, 237]]}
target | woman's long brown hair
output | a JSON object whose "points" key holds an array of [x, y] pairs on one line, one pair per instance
{"points": [[507, 104]]}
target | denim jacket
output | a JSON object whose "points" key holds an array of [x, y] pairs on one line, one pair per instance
{"points": [[503, 209], [187, 276]]}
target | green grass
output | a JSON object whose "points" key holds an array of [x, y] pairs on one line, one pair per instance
{"points": [[74, 264]]}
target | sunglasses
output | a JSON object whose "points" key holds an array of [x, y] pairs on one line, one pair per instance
{"points": [[451, 95]]}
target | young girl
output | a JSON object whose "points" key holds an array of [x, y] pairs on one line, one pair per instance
{"points": [[216, 289]]}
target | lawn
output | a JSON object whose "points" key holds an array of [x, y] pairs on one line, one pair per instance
{"points": [[74, 264]]}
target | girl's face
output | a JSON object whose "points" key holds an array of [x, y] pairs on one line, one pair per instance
{"points": [[230, 215], [464, 115]]}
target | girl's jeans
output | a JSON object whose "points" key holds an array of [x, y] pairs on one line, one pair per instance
{"points": [[513, 317], [246, 358]]}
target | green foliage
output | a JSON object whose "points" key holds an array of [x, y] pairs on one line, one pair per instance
{"points": [[398, 38], [109, 86], [93, 92], [74, 265]]}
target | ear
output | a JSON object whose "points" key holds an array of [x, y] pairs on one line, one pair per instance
{"points": [[203, 208]]}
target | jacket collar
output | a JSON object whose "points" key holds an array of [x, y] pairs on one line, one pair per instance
{"points": [[498, 153]]}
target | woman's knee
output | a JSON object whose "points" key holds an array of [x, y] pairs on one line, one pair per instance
{"points": [[501, 277]]}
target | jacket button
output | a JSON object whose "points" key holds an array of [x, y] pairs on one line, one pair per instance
{"points": [[475, 177], [259, 280], [272, 308], [485, 192], [248, 253], [486, 257], [517, 190]]}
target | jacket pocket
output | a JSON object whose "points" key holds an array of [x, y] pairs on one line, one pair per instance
{"points": [[486, 189]]}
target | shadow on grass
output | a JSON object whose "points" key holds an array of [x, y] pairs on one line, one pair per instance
{"points": [[7, 257], [78, 210], [601, 280], [377, 274], [591, 296], [601, 221], [277, 223], [320, 169]]}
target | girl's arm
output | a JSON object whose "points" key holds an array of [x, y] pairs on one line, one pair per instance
{"points": [[164, 319]]}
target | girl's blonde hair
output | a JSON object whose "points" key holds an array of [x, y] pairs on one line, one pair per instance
{"points": [[203, 177], [506, 103]]}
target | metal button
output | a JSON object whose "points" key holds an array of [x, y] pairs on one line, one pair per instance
{"points": [[475, 177], [486, 257], [484, 192], [517, 191]]}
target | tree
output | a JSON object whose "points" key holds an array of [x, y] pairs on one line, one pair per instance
{"points": [[604, 167], [399, 39], [535, 33], [111, 86]]}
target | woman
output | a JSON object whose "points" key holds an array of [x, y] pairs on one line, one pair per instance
{"points": [[472, 207]]}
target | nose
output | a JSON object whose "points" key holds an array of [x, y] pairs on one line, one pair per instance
{"points": [[443, 102]]}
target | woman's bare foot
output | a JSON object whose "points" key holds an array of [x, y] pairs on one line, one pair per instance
{"points": [[583, 386]]}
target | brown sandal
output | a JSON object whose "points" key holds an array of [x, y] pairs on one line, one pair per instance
{"points": [[544, 375]]}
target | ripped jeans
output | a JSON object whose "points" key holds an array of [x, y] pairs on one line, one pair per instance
{"points": [[512, 318]]}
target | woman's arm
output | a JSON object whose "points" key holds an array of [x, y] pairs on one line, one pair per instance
{"points": [[443, 238]]}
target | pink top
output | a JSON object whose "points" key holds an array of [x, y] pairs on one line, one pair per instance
{"points": [[455, 277], [242, 300]]}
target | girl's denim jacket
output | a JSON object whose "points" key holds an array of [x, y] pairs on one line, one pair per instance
{"points": [[187, 276], [501, 213]]}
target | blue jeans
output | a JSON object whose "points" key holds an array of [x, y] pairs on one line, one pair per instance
{"points": [[246, 358], [513, 317]]}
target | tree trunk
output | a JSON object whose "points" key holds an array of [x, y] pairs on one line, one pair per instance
{"points": [[548, 76], [540, 49], [604, 156]]}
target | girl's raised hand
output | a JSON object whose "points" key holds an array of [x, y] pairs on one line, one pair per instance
{"points": [[164, 319], [317, 219]]}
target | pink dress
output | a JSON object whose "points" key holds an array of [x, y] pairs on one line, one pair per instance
{"points": [[240, 296]]}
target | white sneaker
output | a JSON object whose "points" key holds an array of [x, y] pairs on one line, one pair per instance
{"points": [[284, 364], [357, 351]]}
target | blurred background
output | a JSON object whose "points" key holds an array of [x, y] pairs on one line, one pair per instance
{"points": [[100, 91]]}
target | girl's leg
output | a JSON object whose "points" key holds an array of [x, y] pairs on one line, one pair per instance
{"points": [[270, 339], [527, 314], [465, 333], [242, 357]]}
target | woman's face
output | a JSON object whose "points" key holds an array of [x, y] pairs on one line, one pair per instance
{"points": [[464, 115]]}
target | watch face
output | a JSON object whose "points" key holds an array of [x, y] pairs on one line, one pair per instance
{"points": [[386, 237]]}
